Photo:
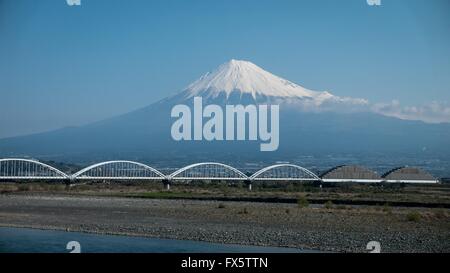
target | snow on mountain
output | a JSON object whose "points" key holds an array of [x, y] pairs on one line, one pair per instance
{"points": [[319, 127], [249, 79]]}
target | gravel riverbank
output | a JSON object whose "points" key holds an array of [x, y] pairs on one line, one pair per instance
{"points": [[341, 229]]}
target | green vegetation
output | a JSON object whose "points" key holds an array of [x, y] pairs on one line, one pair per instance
{"points": [[302, 202], [440, 214], [328, 205], [413, 216], [387, 208], [24, 187], [35, 187], [243, 211], [301, 193]]}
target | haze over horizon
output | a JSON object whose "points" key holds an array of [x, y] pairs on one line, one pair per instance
{"points": [[69, 66]]}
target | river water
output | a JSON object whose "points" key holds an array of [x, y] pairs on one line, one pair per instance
{"points": [[25, 240]]}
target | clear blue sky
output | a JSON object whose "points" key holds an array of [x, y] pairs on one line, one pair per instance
{"points": [[64, 66]]}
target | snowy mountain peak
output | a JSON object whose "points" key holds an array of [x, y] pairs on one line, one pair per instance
{"points": [[246, 77], [240, 80]]}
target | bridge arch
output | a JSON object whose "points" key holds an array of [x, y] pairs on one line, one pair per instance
{"points": [[350, 173], [208, 171], [285, 172], [408, 175], [119, 169], [19, 168]]}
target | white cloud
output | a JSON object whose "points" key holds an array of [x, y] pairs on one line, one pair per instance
{"points": [[325, 103], [434, 112]]}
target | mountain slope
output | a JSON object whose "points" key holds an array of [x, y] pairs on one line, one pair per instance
{"points": [[311, 123], [247, 77], [244, 82]]}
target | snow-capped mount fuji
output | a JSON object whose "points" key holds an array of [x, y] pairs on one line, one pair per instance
{"points": [[311, 123], [248, 78], [238, 81]]}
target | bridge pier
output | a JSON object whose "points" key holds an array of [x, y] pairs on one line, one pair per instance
{"points": [[166, 183], [249, 185]]}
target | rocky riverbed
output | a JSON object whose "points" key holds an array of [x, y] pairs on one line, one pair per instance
{"points": [[330, 228]]}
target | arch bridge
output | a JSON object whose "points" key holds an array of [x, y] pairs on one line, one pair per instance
{"points": [[17, 168], [284, 172], [208, 171], [118, 170], [29, 169]]}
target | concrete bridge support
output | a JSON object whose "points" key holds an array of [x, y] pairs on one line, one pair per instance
{"points": [[166, 183], [249, 184]]}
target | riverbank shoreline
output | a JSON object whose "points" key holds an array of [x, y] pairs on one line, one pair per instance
{"points": [[38, 240], [335, 228]]}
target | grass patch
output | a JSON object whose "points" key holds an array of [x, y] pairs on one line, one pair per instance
{"points": [[440, 214], [413, 216], [328, 205], [243, 211], [302, 202], [387, 208], [24, 187]]}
